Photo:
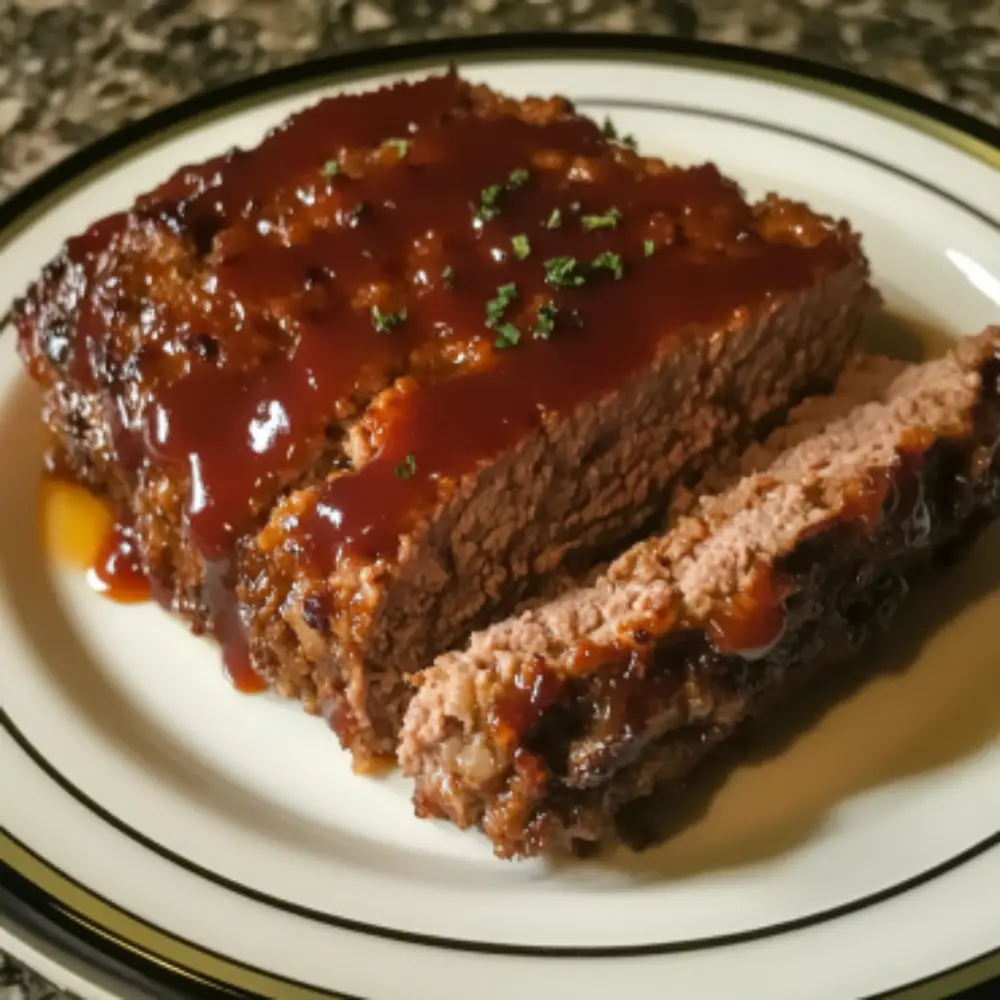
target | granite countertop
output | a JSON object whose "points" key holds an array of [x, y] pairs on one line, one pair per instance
{"points": [[72, 70]]}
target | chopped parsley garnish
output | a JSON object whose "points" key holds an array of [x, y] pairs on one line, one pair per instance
{"points": [[545, 321], [517, 178], [508, 335], [353, 214], [488, 198], [407, 467], [610, 261], [400, 145], [563, 272], [496, 306], [330, 169], [448, 276], [609, 220], [384, 322], [554, 220], [521, 245], [610, 132], [648, 248]]}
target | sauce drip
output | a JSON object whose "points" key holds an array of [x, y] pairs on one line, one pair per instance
{"points": [[117, 571], [78, 530], [239, 670], [753, 621], [520, 708]]}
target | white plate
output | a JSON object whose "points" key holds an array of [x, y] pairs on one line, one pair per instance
{"points": [[161, 827]]}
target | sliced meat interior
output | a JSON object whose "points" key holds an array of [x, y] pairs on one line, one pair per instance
{"points": [[547, 724]]}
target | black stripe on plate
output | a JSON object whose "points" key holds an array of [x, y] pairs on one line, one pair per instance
{"points": [[488, 947]]}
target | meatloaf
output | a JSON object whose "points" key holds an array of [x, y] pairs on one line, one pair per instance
{"points": [[362, 387], [547, 724]]}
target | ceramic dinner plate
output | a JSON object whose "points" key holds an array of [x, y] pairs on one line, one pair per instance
{"points": [[166, 836]]}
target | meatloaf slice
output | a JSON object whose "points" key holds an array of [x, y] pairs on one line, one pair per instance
{"points": [[360, 387], [468, 540], [548, 723]]}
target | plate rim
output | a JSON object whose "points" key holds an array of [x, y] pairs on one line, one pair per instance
{"points": [[78, 935], [45, 900]]}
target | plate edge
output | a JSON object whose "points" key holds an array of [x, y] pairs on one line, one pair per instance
{"points": [[74, 922]]}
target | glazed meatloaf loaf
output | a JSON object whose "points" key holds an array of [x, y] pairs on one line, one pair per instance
{"points": [[549, 723], [358, 389]]}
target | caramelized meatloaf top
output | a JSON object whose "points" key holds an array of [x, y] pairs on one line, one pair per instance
{"points": [[334, 281], [391, 289]]}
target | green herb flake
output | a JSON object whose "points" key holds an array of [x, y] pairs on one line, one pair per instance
{"points": [[508, 335], [496, 306], [353, 214], [385, 322], [554, 220], [517, 178], [330, 169], [545, 321], [611, 133], [400, 145], [407, 468], [609, 220], [611, 262], [648, 248], [563, 272], [488, 198], [448, 276], [521, 245]]}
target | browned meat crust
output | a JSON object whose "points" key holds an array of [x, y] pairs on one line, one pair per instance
{"points": [[547, 724], [365, 385]]}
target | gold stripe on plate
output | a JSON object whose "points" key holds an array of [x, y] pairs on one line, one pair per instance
{"points": [[149, 943]]}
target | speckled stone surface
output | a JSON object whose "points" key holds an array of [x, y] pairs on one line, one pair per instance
{"points": [[72, 70]]}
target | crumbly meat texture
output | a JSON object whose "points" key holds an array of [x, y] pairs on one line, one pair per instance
{"points": [[547, 724], [568, 494], [222, 358]]}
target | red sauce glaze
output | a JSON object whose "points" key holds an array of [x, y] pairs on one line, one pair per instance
{"points": [[752, 621], [521, 706], [448, 427], [117, 570], [239, 670], [363, 241], [865, 505], [624, 699], [588, 657]]}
